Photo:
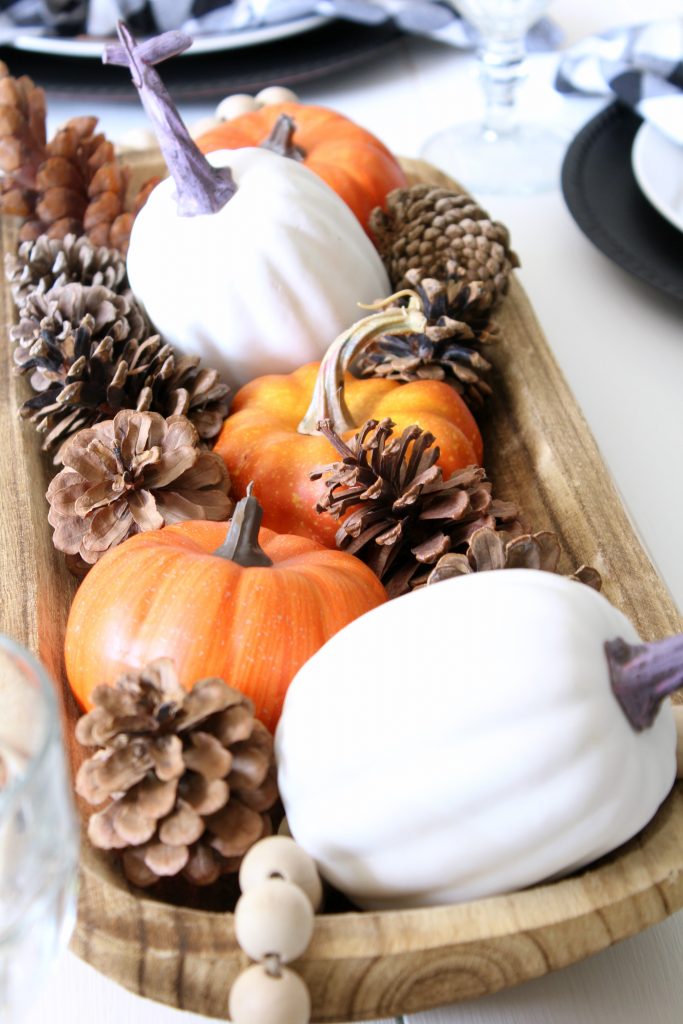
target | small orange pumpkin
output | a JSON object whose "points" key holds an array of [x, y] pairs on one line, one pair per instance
{"points": [[251, 608], [350, 159], [271, 436]]}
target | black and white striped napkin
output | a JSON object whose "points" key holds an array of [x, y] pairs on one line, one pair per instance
{"points": [[641, 65]]}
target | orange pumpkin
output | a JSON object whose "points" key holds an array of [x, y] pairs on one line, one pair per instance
{"points": [[250, 609], [271, 435], [350, 159]]}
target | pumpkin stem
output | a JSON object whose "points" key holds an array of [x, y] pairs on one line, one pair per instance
{"points": [[200, 187], [241, 544], [643, 675], [280, 140], [328, 401]]}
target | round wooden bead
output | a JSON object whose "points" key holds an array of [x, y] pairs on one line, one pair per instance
{"points": [[276, 94], [275, 918], [281, 857], [233, 106], [258, 997]]}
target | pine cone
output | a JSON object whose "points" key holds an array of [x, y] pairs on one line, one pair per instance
{"points": [[187, 777], [53, 262], [398, 513], [488, 549], [72, 184], [80, 185], [22, 141], [136, 472], [448, 349], [89, 356], [443, 234]]}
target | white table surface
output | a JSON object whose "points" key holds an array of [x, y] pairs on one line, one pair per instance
{"points": [[620, 345]]}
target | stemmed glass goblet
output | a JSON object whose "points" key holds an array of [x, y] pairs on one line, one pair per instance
{"points": [[501, 154], [38, 831]]}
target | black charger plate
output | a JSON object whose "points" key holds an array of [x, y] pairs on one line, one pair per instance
{"points": [[604, 199], [334, 46]]}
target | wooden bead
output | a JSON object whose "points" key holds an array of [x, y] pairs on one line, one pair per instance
{"points": [[276, 94], [275, 918], [281, 857], [234, 106], [258, 997], [204, 124]]}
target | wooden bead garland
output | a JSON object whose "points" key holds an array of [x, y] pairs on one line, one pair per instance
{"points": [[274, 919]]}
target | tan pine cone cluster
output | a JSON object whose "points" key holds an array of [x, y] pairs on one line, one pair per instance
{"points": [[441, 234], [186, 779], [70, 184], [137, 472]]}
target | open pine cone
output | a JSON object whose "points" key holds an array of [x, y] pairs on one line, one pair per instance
{"points": [[89, 355], [450, 347], [442, 234], [136, 472], [490, 549], [398, 513], [48, 263], [186, 779], [71, 184]]}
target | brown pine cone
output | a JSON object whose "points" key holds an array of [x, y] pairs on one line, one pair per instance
{"points": [[398, 513], [22, 141], [450, 347], [186, 778], [48, 263], [136, 472], [80, 185], [443, 234], [89, 355], [489, 549]]}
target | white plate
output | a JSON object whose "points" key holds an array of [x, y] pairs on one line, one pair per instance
{"points": [[658, 168], [61, 46]]}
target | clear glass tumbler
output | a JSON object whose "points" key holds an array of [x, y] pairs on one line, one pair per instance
{"points": [[38, 831], [502, 154]]}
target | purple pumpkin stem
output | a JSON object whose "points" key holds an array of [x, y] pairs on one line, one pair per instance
{"points": [[200, 187], [642, 675]]}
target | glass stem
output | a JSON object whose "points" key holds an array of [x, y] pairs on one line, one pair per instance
{"points": [[501, 64]]}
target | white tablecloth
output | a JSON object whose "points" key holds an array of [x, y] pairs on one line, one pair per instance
{"points": [[620, 345]]}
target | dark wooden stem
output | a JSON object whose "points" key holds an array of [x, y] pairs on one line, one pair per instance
{"points": [[643, 675], [200, 187], [241, 545], [280, 140], [328, 401]]}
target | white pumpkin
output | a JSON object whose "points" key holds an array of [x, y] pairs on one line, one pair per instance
{"points": [[266, 283], [465, 740], [253, 279]]}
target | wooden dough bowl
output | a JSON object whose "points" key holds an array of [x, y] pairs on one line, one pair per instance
{"points": [[361, 966]]}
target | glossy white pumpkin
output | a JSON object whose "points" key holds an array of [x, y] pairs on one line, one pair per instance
{"points": [[464, 740], [266, 283]]}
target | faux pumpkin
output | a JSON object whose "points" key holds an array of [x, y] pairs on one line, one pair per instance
{"points": [[271, 436], [250, 609], [246, 259], [526, 739], [350, 159]]}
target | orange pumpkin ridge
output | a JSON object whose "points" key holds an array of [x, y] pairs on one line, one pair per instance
{"points": [[174, 593], [352, 161], [271, 438]]}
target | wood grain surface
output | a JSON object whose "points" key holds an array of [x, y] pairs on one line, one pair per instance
{"points": [[359, 966]]}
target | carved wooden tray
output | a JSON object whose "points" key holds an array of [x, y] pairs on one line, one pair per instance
{"points": [[361, 966]]}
